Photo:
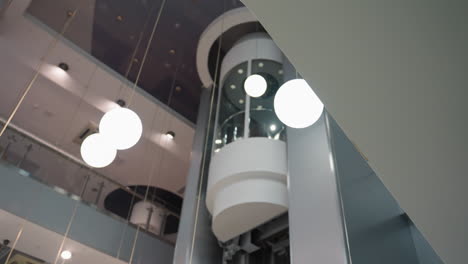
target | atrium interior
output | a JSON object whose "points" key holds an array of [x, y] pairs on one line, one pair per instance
{"points": [[202, 132]]}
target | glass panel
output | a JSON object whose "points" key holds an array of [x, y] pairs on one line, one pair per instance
{"points": [[231, 111], [263, 121]]}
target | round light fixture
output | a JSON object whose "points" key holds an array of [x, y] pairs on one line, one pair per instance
{"points": [[273, 127], [296, 104], [122, 127], [63, 66], [66, 254], [255, 85], [97, 151], [170, 134]]}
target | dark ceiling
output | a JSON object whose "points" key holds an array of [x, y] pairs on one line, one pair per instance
{"points": [[169, 73]]}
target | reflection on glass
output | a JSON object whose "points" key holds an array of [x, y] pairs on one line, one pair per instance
{"points": [[237, 110]]}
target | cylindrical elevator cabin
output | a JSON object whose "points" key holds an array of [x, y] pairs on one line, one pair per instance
{"points": [[247, 176]]}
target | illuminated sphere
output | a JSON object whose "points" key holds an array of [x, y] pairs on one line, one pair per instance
{"points": [[296, 104], [255, 85], [97, 151], [122, 127]]}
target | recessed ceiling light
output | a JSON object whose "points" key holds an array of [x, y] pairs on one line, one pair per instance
{"points": [[241, 101], [63, 66], [121, 102], [260, 64], [66, 254], [273, 127], [170, 134], [233, 86], [240, 71], [218, 141]]}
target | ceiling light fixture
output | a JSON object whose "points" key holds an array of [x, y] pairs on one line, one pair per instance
{"points": [[296, 104], [218, 141], [121, 102], [122, 127], [273, 127], [170, 134], [63, 66], [66, 254], [255, 85], [97, 151]]}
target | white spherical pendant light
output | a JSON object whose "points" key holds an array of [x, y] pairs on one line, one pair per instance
{"points": [[255, 85], [97, 151], [296, 104], [122, 127]]}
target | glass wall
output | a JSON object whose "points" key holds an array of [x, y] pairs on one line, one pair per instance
{"points": [[241, 116]]}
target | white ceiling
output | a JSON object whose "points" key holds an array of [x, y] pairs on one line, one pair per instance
{"points": [[394, 76], [61, 104], [44, 244]]}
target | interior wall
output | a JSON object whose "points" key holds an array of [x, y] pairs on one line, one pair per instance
{"points": [[393, 75], [378, 229]]}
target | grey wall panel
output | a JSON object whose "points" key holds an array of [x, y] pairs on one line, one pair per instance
{"points": [[378, 229], [315, 223], [426, 253]]}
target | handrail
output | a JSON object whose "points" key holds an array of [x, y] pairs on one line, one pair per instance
{"points": [[67, 155], [72, 158]]}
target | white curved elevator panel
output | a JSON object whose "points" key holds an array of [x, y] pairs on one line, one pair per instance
{"points": [[247, 185]]}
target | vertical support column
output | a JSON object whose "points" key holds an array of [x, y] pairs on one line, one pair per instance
{"points": [[316, 228], [247, 103], [204, 248]]}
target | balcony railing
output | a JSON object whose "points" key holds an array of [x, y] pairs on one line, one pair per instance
{"points": [[66, 173]]}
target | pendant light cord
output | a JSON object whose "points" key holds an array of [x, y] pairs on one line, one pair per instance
{"points": [[38, 71], [156, 22], [135, 51], [205, 152]]}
